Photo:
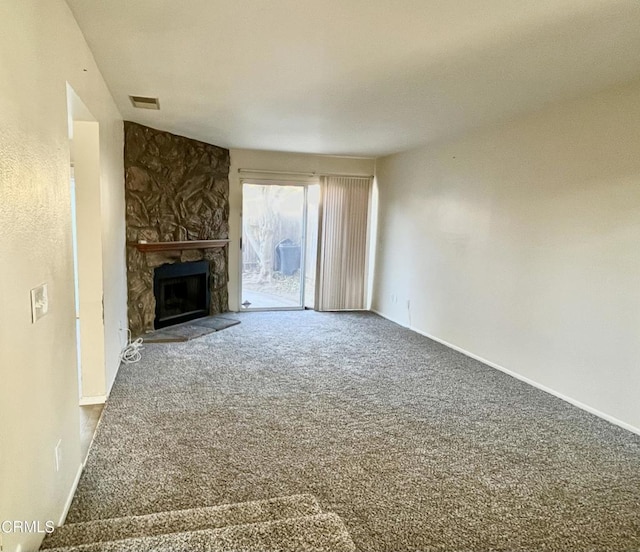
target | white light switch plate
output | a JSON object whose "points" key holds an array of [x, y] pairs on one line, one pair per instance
{"points": [[39, 302]]}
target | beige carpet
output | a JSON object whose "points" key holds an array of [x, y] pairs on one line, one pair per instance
{"points": [[282, 524], [414, 446]]}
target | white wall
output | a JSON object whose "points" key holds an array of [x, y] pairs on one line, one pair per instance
{"points": [[114, 266], [85, 150], [521, 244], [275, 161], [41, 49]]}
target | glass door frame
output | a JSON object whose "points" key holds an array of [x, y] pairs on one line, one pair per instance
{"points": [[303, 241]]}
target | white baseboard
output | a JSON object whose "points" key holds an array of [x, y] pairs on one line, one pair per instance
{"points": [[520, 377], [98, 399], [72, 493], [113, 380], [391, 319]]}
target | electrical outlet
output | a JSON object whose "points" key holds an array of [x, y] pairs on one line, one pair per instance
{"points": [[58, 455], [39, 302]]}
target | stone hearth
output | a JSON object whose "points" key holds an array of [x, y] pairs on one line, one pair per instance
{"points": [[176, 189]]}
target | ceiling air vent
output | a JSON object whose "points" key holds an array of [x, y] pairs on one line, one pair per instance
{"points": [[145, 103]]}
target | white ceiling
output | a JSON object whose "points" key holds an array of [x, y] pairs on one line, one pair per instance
{"points": [[353, 77]]}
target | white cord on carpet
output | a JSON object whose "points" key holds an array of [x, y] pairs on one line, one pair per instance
{"points": [[131, 353]]}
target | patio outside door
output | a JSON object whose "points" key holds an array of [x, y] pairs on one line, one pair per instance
{"points": [[273, 246]]}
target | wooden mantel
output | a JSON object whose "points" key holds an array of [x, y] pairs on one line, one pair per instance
{"points": [[149, 247]]}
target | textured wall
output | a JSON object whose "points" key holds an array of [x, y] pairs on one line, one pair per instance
{"points": [[41, 49], [176, 189]]}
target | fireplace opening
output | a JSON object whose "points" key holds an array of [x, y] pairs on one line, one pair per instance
{"points": [[182, 292]]}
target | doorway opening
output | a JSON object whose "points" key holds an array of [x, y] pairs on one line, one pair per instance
{"points": [[86, 231], [279, 244]]}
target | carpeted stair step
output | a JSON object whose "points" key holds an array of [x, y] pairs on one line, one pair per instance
{"points": [[104, 530], [315, 533]]}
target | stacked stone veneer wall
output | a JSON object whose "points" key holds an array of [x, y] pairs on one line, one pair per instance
{"points": [[176, 189]]}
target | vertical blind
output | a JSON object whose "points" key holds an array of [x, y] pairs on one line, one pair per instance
{"points": [[342, 269]]}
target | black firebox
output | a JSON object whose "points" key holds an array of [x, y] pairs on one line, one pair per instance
{"points": [[182, 292]]}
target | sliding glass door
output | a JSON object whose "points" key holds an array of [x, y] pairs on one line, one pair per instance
{"points": [[274, 228]]}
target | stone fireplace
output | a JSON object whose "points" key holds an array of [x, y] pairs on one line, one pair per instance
{"points": [[177, 213]]}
